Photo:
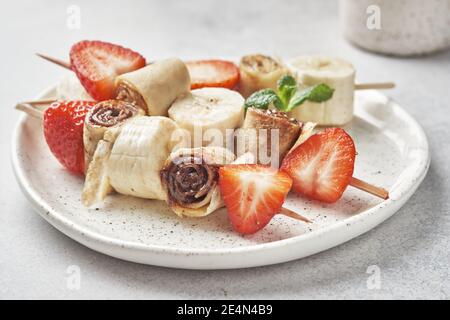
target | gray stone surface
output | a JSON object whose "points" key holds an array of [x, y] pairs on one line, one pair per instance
{"points": [[411, 249]]}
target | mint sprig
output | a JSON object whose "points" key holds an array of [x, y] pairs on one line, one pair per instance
{"points": [[263, 99], [289, 95]]}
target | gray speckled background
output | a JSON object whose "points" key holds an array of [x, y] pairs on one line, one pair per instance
{"points": [[412, 249]]}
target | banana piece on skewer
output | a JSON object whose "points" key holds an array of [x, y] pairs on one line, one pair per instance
{"points": [[259, 72], [130, 157], [207, 113], [307, 131], [103, 116], [96, 183], [336, 73], [139, 153], [70, 88]]}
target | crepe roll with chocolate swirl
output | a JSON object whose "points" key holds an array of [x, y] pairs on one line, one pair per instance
{"points": [[269, 135], [190, 179], [154, 87], [259, 72], [105, 115]]}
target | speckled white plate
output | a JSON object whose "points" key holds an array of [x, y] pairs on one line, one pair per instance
{"points": [[392, 153]]}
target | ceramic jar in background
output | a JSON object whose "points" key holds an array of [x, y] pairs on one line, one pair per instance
{"points": [[397, 27]]}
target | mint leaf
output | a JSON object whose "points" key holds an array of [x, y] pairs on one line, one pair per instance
{"points": [[287, 86], [262, 99], [317, 93]]}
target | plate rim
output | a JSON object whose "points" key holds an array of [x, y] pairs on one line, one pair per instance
{"points": [[60, 222]]}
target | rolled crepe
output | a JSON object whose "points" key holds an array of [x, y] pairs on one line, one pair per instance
{"points": [[156, 86], [129, 159], [105, 115], [259, 72], [268, 134], [190, 179]]}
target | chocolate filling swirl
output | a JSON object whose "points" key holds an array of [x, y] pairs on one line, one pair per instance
{"points": [[189, 179], [127, 93], [111, 112], [260, 63]]}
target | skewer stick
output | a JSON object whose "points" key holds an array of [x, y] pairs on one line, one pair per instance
{"points": [[357, 183], [38, 102], [294, 215], [30, 110], [370, 188], [374, 85], [59, 62], [358, 86]]}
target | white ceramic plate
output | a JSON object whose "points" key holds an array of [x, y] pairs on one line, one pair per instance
{"points": [[392, 153]]}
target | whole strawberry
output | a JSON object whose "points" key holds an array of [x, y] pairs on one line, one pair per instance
{"points": [[63, 131]]}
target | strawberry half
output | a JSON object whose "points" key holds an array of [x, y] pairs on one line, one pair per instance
{"points": [[253, 194], [213, 73], [63, 131], [97, 64], [322, 166]]}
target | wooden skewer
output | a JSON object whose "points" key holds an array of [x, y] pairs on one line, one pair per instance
{"points": [[59, 62], [370, 188], [29, 107], [358, 86], [354, 182], [30, 110], [374, 85], [294, 215], [38, 102]]}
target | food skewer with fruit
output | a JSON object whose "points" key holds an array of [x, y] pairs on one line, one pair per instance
{"points": [[255, 72], [259, 190], [135, 156], [260, 72]]}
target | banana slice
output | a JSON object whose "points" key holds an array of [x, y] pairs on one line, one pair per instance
{"points": [[156, 86], [105, 115], [339, 75], [259, 72], [70, 88], [139, 153], [190, 178], [206, 113], [307, 131], [129, 158], [96, 184]]}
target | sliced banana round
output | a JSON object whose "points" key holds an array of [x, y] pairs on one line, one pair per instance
{"points": [[139, 153], [336, 73], [70, 88], [259, 72], [206, 114]]}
